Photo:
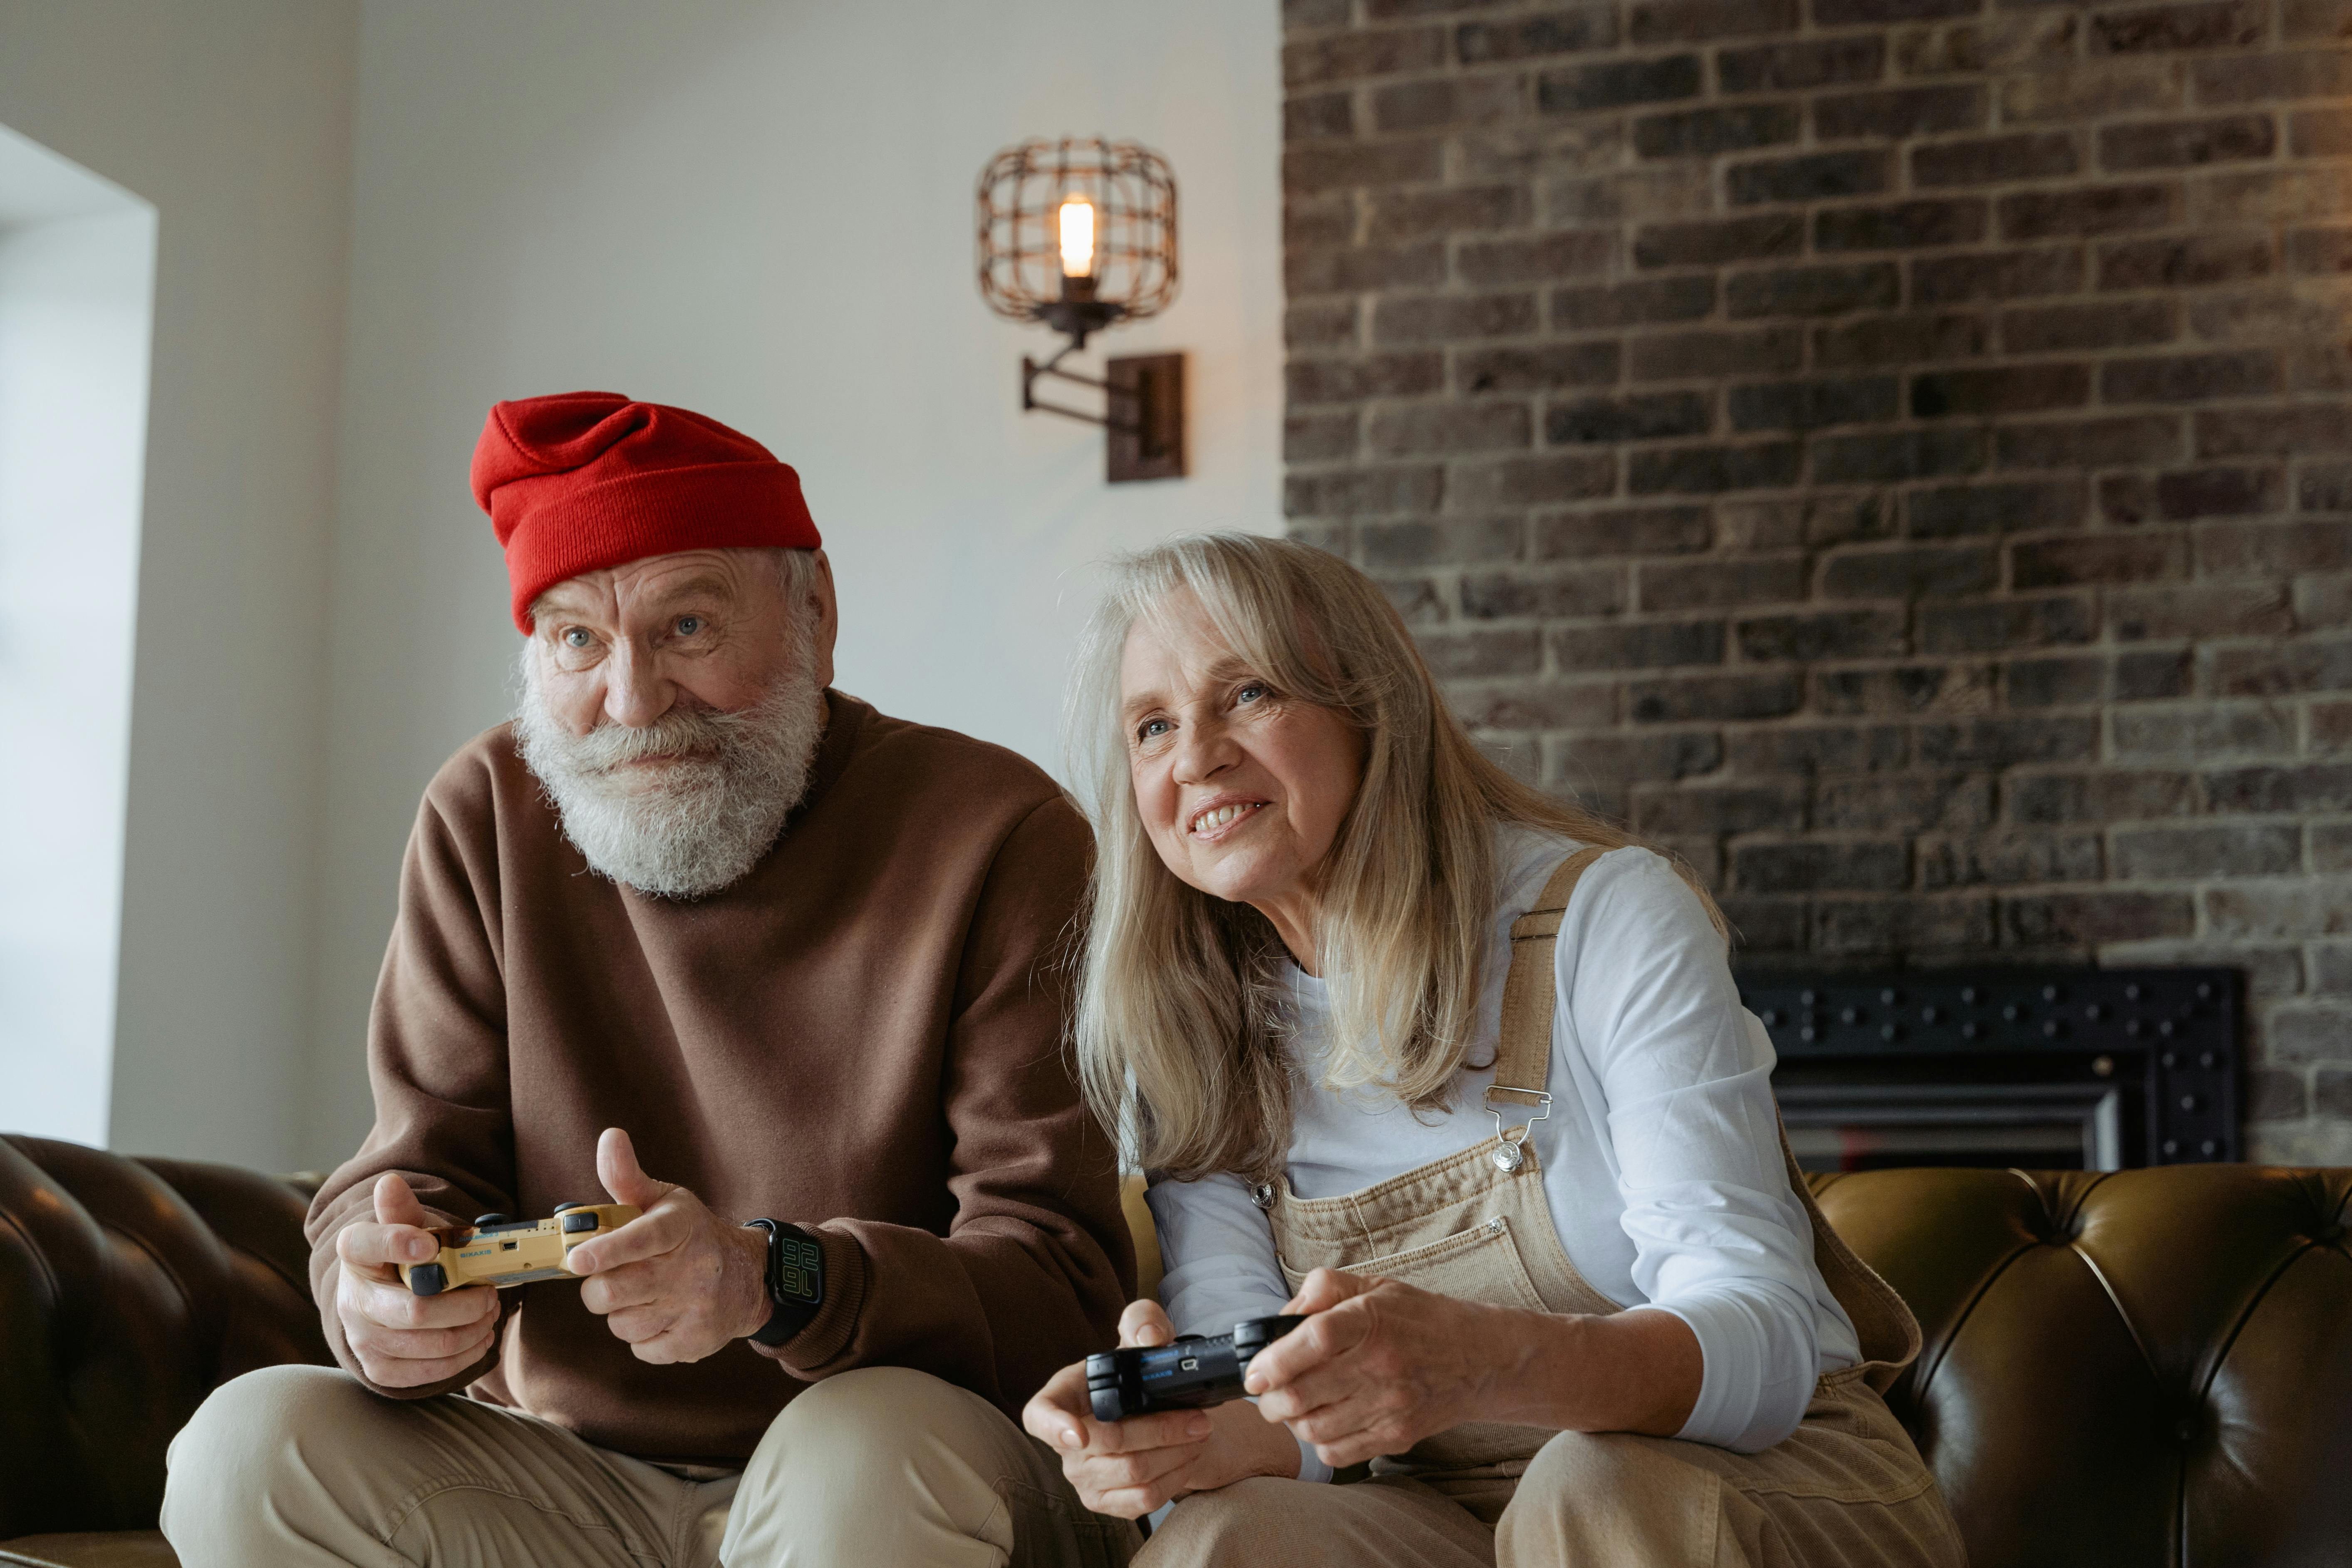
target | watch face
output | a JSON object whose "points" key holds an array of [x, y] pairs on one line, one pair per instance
{"points": [[800, 1269]]}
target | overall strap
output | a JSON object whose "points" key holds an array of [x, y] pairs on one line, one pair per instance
{"points": [[1523, 1054]]}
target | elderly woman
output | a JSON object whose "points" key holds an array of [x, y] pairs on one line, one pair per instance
{"points": [[1461, 1072]]}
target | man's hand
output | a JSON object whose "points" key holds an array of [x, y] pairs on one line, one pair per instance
{"points": [[404, 1340], [677, 1282], [1127, 1469]]}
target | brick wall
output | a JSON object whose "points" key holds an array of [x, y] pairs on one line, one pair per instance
{"points": [[1898, 451]]}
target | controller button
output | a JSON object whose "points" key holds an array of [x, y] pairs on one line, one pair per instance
{"points": [[574, 1224], [483, 1219], [561, 1208]]}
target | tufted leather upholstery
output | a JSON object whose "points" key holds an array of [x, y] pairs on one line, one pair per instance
{"points": [[2151, 1369]]}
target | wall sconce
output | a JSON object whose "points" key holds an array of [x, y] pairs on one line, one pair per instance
{"points": [[1080, 234]]}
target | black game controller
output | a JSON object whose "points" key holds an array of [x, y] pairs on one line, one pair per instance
{"points": [[1193, 1374]]}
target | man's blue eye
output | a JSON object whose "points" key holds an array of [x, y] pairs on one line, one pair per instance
{"points": [[689, 625], [576, 638]]}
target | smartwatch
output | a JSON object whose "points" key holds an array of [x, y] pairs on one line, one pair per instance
{"points": [[795, 1281]]}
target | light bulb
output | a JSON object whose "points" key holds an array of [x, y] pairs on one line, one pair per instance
{"points": [[1078, 237]]}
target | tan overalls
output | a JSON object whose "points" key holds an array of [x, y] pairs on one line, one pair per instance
{"points": [[1846, 1488]]}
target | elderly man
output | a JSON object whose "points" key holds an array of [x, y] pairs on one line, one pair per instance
{"points": [[783, 974]]}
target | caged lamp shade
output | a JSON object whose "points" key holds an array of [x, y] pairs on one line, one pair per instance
{"points": [[1077, 233]]}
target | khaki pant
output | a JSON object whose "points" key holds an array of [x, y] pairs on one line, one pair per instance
{"points": [[297, 1466]]}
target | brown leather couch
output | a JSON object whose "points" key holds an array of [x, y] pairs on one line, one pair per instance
{"points": [[2150, 1369]]}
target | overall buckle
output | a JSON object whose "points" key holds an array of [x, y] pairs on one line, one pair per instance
{"points": [[1510, 1152]]}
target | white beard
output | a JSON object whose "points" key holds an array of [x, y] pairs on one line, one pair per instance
{"points": [[706, 819]]}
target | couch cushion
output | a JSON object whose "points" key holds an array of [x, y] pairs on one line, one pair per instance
{"points": [[105, 1549]]}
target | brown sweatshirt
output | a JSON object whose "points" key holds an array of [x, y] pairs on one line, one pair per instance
{"points": [[864, 1037]]}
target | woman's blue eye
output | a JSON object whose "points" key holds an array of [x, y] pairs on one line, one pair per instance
{"points": [[1250, 693], [1151, 729]]}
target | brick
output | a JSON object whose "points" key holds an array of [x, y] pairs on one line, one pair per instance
{"points": [[2064, 682], [1318, 438], [2303, 194], [2211, 24], [1299, 14], [1721, 583], [2098, 558], [2109, 324], [1837, 633], [1901, 454], [2306, 21], [1994, 159], [1710, 809], [2331, 727], [1539, 260], [1449, 542], [1347, 269], [1545, 368], [1993, 509], [1865, 866], [1899, 339], [1814, 290], [1617, 83], [1679, 356], [1897, 112], [1714, 242], [1440, 317], [2274, 549], [2190, 261], [1903, 803], [1314, 119], [1903, 225], [2332, 1093], [2281, 313], [1444, 102], [1414, 487], [1702, 132], [2009, 859], [2147, 676], [2275, 1096], [2009, 741], [1992, 47], [2322, 251], [2302, 665], [2182, 143], [1522, 482], [1318, 381], [1319, 324], [2308, 787], [2203, 610], [2088, 210], [2035, 920], [1645, 645], [1910, 573], [1817, 519], [1776, 749], [2218, 492], [2197, 854], [1811, 404], [1706, 21], [2276, 431], [2125, 500], [2103, 796], [2208, 728], [2251, 79], [1528, 38], [2324, 487], [1484, 651], [2189, 378], [1352, 55], [1683, 699], [2089, 443], [2306, 1032], [1643, 416], [1813, 176], [1626, 531], [2009, 389], [2323, 601], [1310, 169], [1452, 210], [1532, 705], [1710, 471], [1848, 12], [1650, 300], [1416, 599], [2319, 133], [1612, 755], [1328, 219], [1991, 625], [1510, 595], [1858, 927], [1780, 67], [1764, 927], [2307, 907], [2093, 92], [1426, 429], [1996, 275]]}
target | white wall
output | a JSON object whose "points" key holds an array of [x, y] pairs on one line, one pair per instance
{"points": [[232, 121], [76, 285], [762, 212]]}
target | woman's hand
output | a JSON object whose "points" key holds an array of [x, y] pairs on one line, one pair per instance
{"points": [[1128, 1468], [1379, 1365]]}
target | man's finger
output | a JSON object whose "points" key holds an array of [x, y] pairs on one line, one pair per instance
{"points": [[395, 1204], [372, 1244], [422, 1345], [395, 1306], [611, 1290], [617, 1168], [650, 1235]]}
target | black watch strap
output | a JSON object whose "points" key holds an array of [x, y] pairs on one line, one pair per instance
{"points": [[795, 1281]]}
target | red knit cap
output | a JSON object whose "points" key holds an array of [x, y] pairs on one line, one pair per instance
{"points": [[588, 479]]}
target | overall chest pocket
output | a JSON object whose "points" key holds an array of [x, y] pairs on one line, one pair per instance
{"points": [[1480, 1264]]}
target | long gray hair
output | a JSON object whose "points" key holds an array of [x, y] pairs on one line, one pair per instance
{"points": [[1179, 1041]]}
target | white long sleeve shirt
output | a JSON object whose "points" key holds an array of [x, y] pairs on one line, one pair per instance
{"points": [[1661, 1161]]}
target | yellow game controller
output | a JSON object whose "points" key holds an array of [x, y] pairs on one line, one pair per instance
{"points": [[496, 1250]]}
